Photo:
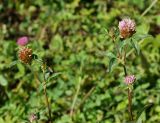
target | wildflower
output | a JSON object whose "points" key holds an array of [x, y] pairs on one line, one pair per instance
{"points": [[25, 55], [22, 41], [32, 118], [127, 28], [129, 79]]}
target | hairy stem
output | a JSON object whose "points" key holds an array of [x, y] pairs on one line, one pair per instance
{"points": [[130, 104], [45, 94], [129, 97]]}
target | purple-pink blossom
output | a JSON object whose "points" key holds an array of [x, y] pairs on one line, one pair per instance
{"points": [[22, 41], [127, 28], [129, 79]]}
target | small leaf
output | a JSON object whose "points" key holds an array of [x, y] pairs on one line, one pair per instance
{"points": [[47, 75], [143, 109], [111, 63], [135, 46], [121, 105], [13, 63], [106, 30], [54, 75]]}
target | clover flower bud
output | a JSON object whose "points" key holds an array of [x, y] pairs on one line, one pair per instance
{"points": [[129, 79], [127, 28], [22, 41], [25, 55], [33, 118]]}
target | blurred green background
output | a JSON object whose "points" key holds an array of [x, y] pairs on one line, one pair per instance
{"points": [[70, 35]]}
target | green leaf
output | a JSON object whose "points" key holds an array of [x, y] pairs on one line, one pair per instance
{"points": [[111, 63], [143, 109], [13, 63], [21, 71], [3, 81], [57, 43], [106, 30], [138, 37], [1, 120], [122, 105], [121, 45], [143, 28], [54, 75], [47, 75], [135, 46]]}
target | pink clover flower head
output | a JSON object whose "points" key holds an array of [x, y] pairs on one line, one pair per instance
{"points": [[129, 79], [22, 41], [127, 28], [33, 118]]}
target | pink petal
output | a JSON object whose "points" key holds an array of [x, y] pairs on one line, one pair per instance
{"points": [[22, 41]]}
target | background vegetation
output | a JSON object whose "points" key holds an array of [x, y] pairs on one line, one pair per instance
{"points": [[70, 35]]}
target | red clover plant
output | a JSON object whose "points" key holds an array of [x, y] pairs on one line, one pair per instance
{"points": [[122, 39], [26, 56]]}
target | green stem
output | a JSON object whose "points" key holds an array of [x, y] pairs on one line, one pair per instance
{"points": [[45, 94], [151, 5], [125, 70]]}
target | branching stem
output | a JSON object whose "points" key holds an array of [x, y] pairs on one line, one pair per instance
{"points": [[130, 104]]}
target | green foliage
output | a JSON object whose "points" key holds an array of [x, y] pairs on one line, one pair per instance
{"points": [[69, 35], [3, 80], [135, 45]]}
